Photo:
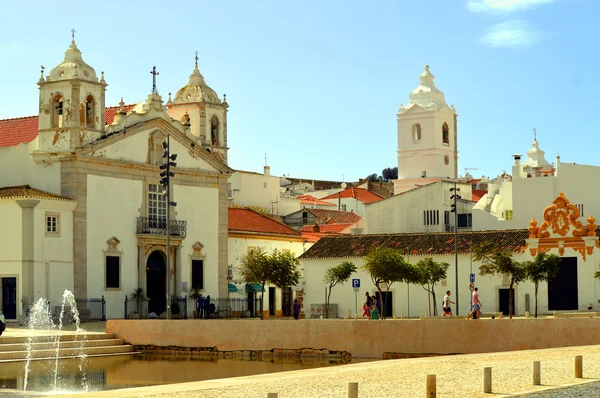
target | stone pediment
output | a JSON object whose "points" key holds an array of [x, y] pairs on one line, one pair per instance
{"points": [[562, 229]]}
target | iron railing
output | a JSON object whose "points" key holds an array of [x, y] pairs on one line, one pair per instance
{"points": [[91, 309], [230, 308], [179, 305], [135, 308], [158, 226]]}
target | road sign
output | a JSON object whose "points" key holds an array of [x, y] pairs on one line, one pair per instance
{"points": [[472, 278], [356, 289], [356, 283]]}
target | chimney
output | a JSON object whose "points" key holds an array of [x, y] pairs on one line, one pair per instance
{"points": [[516, 169], [267, 171], [316, 228]]}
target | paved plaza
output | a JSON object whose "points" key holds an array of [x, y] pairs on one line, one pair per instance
{"points": [[457, 376]]}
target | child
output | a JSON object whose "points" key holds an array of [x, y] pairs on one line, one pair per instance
{"points": [[366, 312]]}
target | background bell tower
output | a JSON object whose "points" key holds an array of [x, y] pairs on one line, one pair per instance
{"points": [[71, 104], [427, 133]]}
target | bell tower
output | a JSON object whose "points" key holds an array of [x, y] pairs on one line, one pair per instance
{"points": [[71, 104], [427, 133], [198, 104]]}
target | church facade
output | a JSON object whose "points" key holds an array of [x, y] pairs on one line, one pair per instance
{"points": [[82, 183]]}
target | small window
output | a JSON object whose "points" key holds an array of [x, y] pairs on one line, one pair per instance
{"points": [[431, 217], [52, 224], [508, 215], [465, 220], [446, 160], [343, 207], [580, 208], [416, 132], [113, 265], [197, 274], [264, 184], [445, 134]]}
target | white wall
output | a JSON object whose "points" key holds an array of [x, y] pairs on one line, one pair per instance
{"points": [[255, 189], [43, 176]]}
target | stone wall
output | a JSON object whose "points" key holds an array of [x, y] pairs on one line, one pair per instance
{"points": [[364, 339]]}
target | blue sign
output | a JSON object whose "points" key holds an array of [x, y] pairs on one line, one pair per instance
{"points": [[355, 282], [472, 278]]}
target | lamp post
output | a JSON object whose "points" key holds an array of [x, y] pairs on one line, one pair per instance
{"points": [[165, 181], [455, 196]]}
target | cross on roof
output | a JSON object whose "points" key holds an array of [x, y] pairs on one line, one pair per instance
{"points": [[73, 34], [534, 134], [154, 73], [196, 57]]}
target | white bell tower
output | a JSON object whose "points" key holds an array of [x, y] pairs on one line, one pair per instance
{"points": [[427, 133], [71, 104]]}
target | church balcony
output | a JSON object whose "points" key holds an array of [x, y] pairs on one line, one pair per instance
{"points": [[153, 226]]}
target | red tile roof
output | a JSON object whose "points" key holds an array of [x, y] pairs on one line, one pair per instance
{"points": [[477, 194], [333, 216], [250, 221], [311, 200], [25, 191], [337, 228], [23, 130], [361, 194]]}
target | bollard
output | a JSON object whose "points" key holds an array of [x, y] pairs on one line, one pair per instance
{"points": [[425, 316], [430, 389], [537, 379], [554, 314], [487, 380], [352, 390], [526, 314], [349, 315], [401, 316], [272, 395], [394, 316], [578, 366], [501, 315], [420, 318], [356, 317]]}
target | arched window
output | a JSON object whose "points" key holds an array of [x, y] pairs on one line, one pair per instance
{"points": [[416, 132], [57, 111], [89, 112], [214, 130], [445, 134]]}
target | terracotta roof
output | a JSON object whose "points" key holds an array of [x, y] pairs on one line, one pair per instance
{"points": [[361, 194], [247, 220], [25, 191], [311, 200], [424, 244], [337, 228], [23, 130], [333, 216], [477, 194]]}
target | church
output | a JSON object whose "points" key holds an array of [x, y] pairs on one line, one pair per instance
{"points": [[80, 187]]}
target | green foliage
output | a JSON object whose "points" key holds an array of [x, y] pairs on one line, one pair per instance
{"points": [[543, 268], [138, 294], [429, 273], [496, 261], [337, 275], [261, 268]]}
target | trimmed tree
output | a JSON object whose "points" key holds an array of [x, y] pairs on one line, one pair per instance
{"points": [[543, 268], [496, 261], [337, 275], [386, 265], [260, 268], [430, 273]]}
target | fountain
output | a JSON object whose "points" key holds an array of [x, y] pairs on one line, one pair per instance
{"points": [[41, 318]]}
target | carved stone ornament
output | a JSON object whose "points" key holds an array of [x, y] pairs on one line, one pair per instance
{"points": [[197, 249], [561, 217]]}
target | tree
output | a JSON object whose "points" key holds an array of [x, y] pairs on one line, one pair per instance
{"points": [[389, 174], [337, 275], [431, 272], [278, 268], [543, 268], [386, 265], [373, 177], [497, 261]]}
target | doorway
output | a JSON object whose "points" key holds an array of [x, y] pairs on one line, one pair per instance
{"points": [[388, 302], [286, 301], [9, 298], [156, 282], [504, 296], [271, 301], [562, 290]]}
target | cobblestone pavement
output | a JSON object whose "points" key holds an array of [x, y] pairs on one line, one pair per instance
{"points": [[586, 390]]}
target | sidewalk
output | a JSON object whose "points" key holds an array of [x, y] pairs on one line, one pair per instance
{"points": [[457, 376]]}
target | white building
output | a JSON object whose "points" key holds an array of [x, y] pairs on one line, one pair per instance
{"points": [[511, 202], [249, 230], [353, 200], [93, 216], [574, 288]]}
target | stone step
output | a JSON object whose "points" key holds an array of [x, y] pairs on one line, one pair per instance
{"points": [[38, 338], [66, 352], [63, 344]]}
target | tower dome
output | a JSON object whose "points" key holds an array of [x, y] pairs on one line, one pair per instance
{"points": [[427, 95], [73, 67], [196, 90]]}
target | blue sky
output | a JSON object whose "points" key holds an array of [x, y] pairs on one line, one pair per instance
{"points": [[316, 84]]}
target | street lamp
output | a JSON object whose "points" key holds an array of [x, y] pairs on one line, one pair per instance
{"points": [[455, 196], [166, 174]]}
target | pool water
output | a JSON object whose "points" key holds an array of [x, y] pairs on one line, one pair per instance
{"points": [[125, 371]]}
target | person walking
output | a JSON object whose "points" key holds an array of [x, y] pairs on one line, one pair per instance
{"points": [[200, 306], [476, 305], [368, 300], [374, 308], [296, 309], [446, 304], [366, 311]]}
